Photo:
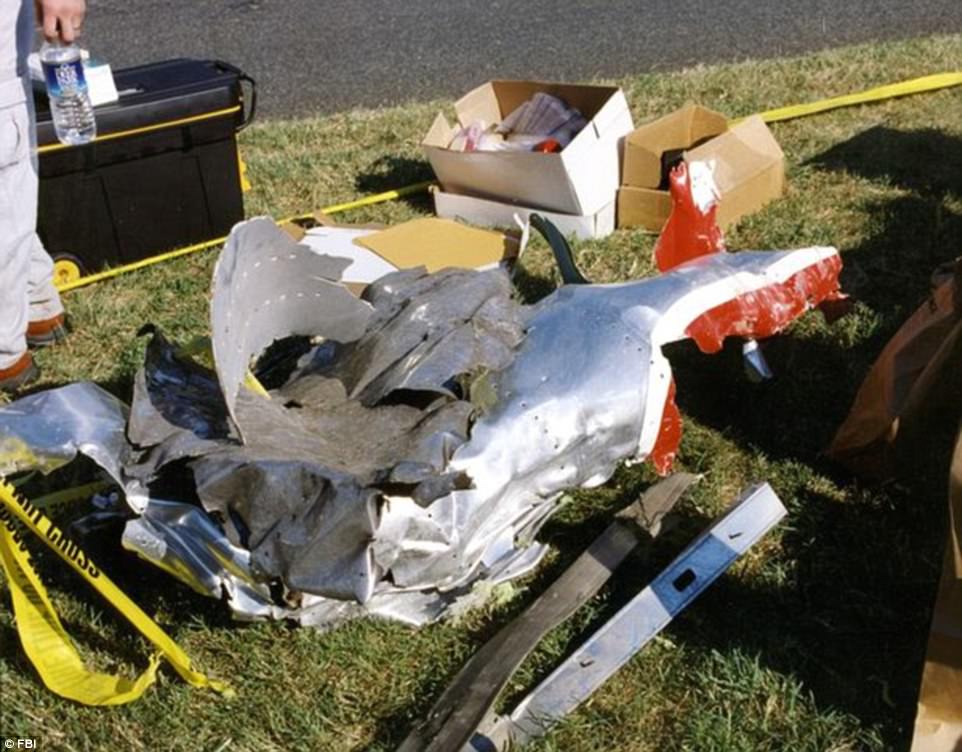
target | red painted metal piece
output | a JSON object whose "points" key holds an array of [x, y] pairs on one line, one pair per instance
{"points": [[669, 435], [764, 312], [690, 231]]}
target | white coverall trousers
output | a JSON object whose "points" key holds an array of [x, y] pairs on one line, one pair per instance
{"points": [[26, 285]]}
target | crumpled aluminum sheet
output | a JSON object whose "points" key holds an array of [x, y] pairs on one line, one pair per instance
{"points": [[46, 430], [266, 287], [184, 541], [587, 390], [305, 502]]}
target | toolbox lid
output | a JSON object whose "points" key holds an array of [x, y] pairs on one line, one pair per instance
{"points": [[158, 93]]}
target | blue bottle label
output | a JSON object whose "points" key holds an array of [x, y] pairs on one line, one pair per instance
{"points": [[65, 78]]}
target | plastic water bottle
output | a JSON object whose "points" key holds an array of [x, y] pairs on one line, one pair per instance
{"points": [[73, 114]]}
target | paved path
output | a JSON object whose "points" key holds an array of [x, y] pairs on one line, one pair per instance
{"points": [[330, 55]]}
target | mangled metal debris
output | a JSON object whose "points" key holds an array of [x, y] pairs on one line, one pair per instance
{"points": [[47, 430], [425, 434]]}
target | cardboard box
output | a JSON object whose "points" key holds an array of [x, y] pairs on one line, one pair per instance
{"points": [[643, 207], [648, 148], [488, 213], [749, 172], [581, 179]]}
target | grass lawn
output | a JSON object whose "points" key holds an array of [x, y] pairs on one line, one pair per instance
{"points": [[814, 641]]}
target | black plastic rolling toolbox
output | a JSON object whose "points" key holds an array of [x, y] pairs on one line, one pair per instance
{"points": [[164, 171]]}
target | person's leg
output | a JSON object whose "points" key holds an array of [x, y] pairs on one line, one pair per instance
{"points": [[43, 297], [16, 233], [18, 193], [47, 324], [45, 305]]}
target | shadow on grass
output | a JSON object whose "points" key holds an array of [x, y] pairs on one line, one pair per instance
{"points": [[926, 161], [532, 287], [122, 387], [391, 172], [850, 619], [916, 232]]}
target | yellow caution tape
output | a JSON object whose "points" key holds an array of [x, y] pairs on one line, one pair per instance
{"points": [[17, 454], [376, 198], [891, 91], [254, 384], [46, 642], [245, 183]]}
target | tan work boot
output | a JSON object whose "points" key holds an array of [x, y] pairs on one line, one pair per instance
{"points": [[19, 374]]}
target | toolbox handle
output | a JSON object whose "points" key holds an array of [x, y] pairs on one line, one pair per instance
{"points": [[242, 77]]}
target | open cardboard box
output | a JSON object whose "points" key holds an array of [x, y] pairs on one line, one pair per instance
{"points": [[488, 213], [648, 147], [581, 179], [749, 165]]}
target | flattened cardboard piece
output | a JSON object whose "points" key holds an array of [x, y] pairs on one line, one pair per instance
{"points": [[440, 244], [904, 377], [581, 179], [488, 213], [679, 130], [749, 172], [938, 723]]}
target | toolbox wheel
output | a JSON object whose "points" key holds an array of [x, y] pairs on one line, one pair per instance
{"points": [[66, 269]]}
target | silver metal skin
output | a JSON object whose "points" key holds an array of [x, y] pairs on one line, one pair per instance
{"points": [[182, 540], [756, 367], [47, 430], [757, 511], [266, 287], [586, 391]]}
